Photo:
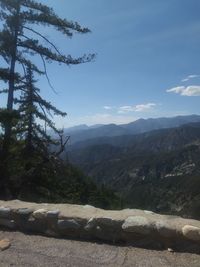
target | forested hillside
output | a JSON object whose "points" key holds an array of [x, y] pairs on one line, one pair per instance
{"points": [[159, 170], [28, 169]]}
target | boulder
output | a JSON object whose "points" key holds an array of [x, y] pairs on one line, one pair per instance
{"points": [[4, 244], [8, 223], [68, 225], [137, 224], [25, 212], [106, 222], [191, 232], [53, 214], [40, 214], [34, 225], [91, 224], [166, 229], [5, 212]]}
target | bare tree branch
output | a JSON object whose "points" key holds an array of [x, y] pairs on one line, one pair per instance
{"points": [[62, 144], [42, 36], [46, 74]]}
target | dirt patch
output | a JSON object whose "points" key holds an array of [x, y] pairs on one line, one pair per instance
{"points": [[33, 250]]}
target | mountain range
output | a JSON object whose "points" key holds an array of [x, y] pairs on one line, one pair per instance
{"points": [[84, 132], [149, 167]]}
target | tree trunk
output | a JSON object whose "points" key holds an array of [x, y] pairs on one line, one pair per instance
{"points": [[30, 116], [5, 179]]}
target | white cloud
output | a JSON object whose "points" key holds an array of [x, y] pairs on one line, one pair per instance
{"points": [[104, 118], [192, 90], [108, 107], [120, 116], [189, 77], [137, 108], [144, 107], [176, 90], [125, 109], [193, 76]]}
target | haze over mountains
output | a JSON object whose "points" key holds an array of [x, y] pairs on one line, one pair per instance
{"points": [[84, 132], [152, 164]]}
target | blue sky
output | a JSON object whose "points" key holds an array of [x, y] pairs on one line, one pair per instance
{"points": [[147, 64]]}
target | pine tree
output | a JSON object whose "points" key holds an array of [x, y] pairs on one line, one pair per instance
{"points": [[34, 150], [19, 43], [32, 107], [16, 44]]}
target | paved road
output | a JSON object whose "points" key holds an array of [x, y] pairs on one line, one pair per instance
{"points": [[32, 250]]}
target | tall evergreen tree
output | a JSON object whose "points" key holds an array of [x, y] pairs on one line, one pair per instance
{"points": [[33, 108], [34, 149], [19, 42]]}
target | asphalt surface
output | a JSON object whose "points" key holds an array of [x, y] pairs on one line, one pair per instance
{"points": [[33, 250]]}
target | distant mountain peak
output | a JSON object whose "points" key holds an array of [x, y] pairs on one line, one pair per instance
{"points": [[84, 132]]}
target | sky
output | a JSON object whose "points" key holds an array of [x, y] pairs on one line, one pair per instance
{"points": [[147, 61]]}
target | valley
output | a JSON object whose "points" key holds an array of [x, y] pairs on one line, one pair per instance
{"points": [[157, 170]]}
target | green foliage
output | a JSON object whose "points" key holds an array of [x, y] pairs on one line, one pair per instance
{"points": [[28, 169], [11, 116], [157, 171], [19, 39], [49, 179], [32, 107]]}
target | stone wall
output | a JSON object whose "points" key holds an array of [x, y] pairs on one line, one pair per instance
{"points": [[136, 227]]}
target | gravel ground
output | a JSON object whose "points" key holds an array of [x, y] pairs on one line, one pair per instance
{"points": [[33, 250]]}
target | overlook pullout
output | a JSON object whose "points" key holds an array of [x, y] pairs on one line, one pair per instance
{"points": [[136, 227]]}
